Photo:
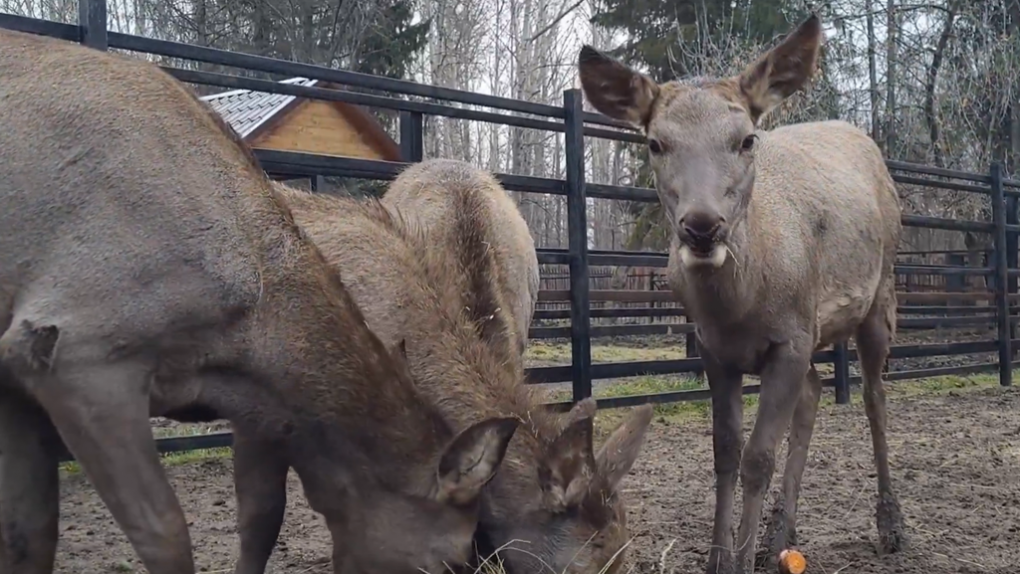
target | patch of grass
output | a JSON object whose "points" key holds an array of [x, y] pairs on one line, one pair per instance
{"points": [[945, 384], [654, 384], [700, 409], [547, 352], [176, 458], [544, 352], [617, 354], [667, 412], [170, 458]]}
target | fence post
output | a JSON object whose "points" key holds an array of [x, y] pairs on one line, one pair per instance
{"points": [[691, 347], [841, 372], [653, 304], [577, 242], [1002, 277], [412, 136], [92, 24], [1012, 260]]}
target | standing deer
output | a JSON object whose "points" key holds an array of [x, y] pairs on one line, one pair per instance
{"points": [[783, 243], [556, 502], [148, 266]]}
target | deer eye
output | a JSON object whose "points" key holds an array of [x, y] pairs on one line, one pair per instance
{"points": [[748, 143], [654, 146]]}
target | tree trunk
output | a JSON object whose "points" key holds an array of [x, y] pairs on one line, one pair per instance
{"points": [[931, 115], [892, 54], [872, 72]]}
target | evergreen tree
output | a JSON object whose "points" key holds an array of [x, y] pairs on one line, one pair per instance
{"points": [[657, 28], [387, 49], [392, 42]]}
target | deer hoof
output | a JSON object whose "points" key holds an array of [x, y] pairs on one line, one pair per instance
{"points": [[891, 535], [780, 534]]}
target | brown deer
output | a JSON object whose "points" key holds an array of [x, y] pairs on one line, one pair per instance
{"points": [[516, 269], [783, 243], [556, 502], [149, 267]]}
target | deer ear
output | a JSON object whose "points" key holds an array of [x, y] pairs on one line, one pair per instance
{"points": [[783, 70], [617, 455], [583, 409], [568, 466], [472, 459], [614, 89]]}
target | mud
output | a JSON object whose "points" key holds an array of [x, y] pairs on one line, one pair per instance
{"points": [[956, 463]]}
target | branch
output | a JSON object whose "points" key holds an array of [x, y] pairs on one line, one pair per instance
{"points": [[555, 21]]}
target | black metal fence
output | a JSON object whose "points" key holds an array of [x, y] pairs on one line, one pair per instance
{"points": [[413, 101]]}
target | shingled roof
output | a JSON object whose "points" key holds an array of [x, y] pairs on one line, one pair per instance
{"points": [[246, 110]]}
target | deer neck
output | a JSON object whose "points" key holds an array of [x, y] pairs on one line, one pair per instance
{"points": [[341, 386], [471, 381]]}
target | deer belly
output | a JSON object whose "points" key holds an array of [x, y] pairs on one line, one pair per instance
{"points": [[841, 313]]}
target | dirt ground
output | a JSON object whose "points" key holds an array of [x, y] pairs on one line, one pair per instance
{"points": [[956, 462]]}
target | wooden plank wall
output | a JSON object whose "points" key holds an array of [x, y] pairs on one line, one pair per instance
{"points": [[316, 127]]}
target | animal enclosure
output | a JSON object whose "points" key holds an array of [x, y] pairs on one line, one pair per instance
{"points": [[955, 462], [951, 306]]}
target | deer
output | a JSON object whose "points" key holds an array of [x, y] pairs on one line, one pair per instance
{"points": [[516, 270], [149, 267], [782, 243], [556, 503]]}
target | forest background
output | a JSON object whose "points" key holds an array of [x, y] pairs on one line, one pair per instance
{"points": [[934, 82]]}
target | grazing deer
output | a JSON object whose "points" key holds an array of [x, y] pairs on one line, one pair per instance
{"points": [[783, 243], [556, 502], [148, 266], [419, 197]]}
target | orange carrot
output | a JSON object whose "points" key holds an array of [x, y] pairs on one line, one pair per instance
{"points": [[792, 562]]}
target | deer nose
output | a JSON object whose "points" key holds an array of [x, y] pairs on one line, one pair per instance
{"points": [[702, 225]]}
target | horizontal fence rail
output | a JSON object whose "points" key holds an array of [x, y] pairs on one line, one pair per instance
{"points": [[918, 310]]}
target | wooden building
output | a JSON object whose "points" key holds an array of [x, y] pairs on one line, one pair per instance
{"points": [[290, 123]]}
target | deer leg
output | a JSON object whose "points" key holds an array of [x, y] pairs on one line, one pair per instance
{"points": [[873, 337], [101, 411], [727, 430], [260, 479], [781, 382], [782, 529], [29, 487]]}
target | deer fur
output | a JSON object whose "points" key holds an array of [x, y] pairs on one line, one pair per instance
{"points": [[147, 265], [554, 494], [418, 196], [783, 243]]}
